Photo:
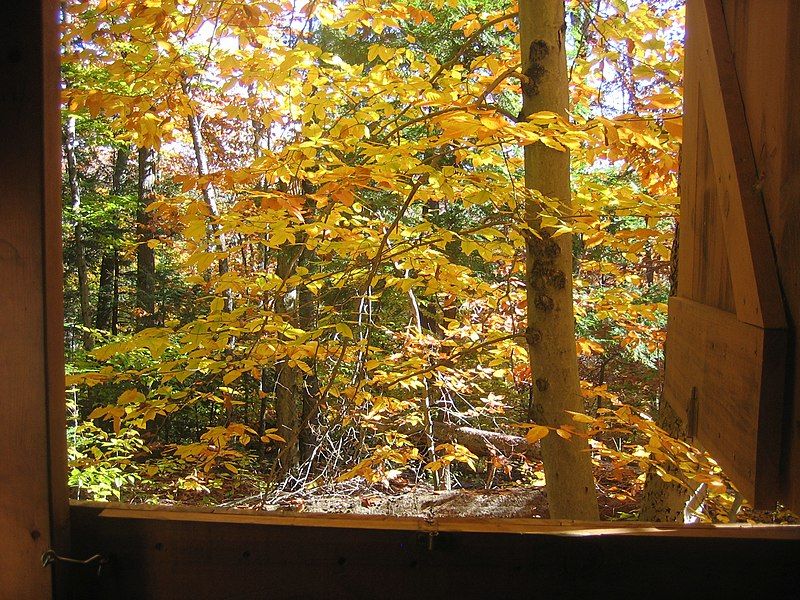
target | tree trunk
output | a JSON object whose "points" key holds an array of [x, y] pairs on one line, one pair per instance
{"points": [[70, 143], [309, 395], [145, 256], [551, 322], [661, 500], [209, 195], [106, 296], [288, 378], [105, 291]]}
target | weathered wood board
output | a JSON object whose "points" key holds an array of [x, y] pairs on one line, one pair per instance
{"points": [[766, 43], [732, 332], [724, 378], [176, 555], [33, 502]]}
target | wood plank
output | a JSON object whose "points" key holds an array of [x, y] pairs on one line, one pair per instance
{"points": [[766, 49], [184, 559], [736, 372], [712, 283], [753, 268], [53, 270], [687, 265], [438, 524], [30, 355]]}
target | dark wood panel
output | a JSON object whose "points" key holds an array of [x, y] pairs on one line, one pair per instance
{"points": [[730, 375], [201, 514], [740, 183], [764, 35], [179, 559], [31, 364], [712, 274], [753, 269]]}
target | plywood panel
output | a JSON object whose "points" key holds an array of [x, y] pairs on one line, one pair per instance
{"points": [[728, 347], [31, 366], [728, 374], [765, 38], [185, 559]]}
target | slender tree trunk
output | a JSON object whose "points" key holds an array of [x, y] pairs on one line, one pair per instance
{"points": [[288, 378], [661, 500], [551, 322], [115, 303], [145, 256], [307, 310], [296, 392], [209, 195], [429, 320], [105, 291], [427, 402], [70, 143], [106, 296]]}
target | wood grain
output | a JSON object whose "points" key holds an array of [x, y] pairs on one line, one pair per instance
{"points": [[735, 371], [740, 237], [753, 269], [172, 559], [766, 44], [436, 524], [33, 444]]}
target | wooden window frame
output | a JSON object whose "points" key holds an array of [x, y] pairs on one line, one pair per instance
{"points": [[32, 165]]}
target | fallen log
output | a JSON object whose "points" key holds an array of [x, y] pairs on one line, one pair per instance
{"points": [[484, 443], [481, 442]]}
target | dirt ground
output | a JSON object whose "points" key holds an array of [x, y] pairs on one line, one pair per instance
{"points": [[421, 502]]}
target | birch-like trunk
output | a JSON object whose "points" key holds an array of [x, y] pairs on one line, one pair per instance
{"points": [[70, 144], [145, 256], [209, 195], [551, 322], [664, 501], [107, 296]]}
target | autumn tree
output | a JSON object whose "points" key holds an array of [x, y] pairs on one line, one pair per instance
{"points": [[351, 225], [551, 322]]}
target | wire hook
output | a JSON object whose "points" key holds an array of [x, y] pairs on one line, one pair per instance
{"points": [[49, 557]]}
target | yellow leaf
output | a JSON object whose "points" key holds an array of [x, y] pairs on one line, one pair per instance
{"points": [[581, 418], [536, 433], [344, 329], [98, 412], [217, 304], [130, 397], [231, 376], [195, 230]]}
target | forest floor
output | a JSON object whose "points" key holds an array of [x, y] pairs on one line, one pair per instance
{"points": [[619, 498]]}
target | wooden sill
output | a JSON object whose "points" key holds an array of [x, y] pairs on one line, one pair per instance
{"points": [[115, 510]]}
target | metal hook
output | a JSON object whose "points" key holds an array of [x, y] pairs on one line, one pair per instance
{"points": [[431, 536], [49, 557]]}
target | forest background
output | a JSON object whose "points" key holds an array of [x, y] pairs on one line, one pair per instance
{"points": [[295, 246]]}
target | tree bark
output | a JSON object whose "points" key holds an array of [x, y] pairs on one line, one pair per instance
{"points": [[481, 442], [307, 316], [288, 379], [209, 195], [664, 501], [485, 443], [145, 256], [551, 323], [70, 144], [109, 269]]}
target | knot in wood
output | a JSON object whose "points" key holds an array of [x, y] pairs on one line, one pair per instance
{"points": [[532, 336], [544, 302], [557, 279], [542, 384], [537, 52]]}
